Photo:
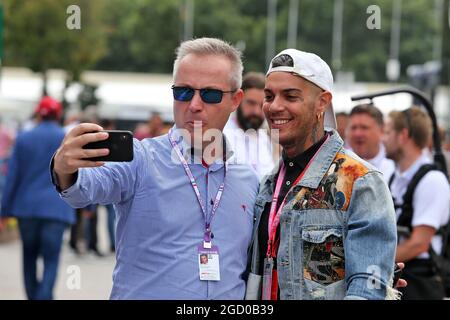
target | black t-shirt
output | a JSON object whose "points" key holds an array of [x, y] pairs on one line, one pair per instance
{"points": [[294, 167]]}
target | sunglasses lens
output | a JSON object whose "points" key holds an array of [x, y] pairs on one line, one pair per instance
{"points": [[183, 93], [211, 95]]}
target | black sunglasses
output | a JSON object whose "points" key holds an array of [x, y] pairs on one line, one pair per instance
{"points": [[208, 95]]}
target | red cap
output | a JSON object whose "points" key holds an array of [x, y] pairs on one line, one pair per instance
{"points": [[48, 106]]}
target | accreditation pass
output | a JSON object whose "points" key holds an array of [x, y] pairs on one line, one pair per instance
{"points": [[208, 263]]}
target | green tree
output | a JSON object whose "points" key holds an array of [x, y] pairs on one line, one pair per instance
{"points": [[445, 74], [119, 18], [36, 36], [141, 35]]}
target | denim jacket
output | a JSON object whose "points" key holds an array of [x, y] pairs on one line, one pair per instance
{"points": [[337, 231]]}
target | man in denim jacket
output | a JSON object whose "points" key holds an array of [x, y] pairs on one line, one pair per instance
{"points": [[324, 219]]}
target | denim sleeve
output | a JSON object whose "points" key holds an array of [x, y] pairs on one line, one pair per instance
{"points": [[371, 239], [115, 182]]}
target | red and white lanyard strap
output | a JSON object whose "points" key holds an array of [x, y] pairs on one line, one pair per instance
{"points": [[208, 218], [274, 216]]}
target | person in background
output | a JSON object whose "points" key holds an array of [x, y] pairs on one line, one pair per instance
{"points": [[365, 134], [108, 124], [342, 120], [153, 128], [245, 132], [422, 214], [7, 137], [72, 117], [90, 232], [85, 227], [30, 123], [30, 197]]}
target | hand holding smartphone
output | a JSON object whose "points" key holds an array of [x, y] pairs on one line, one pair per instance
{"points": [[119, 143], [397, 273]]}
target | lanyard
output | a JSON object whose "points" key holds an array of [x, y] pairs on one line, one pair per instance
{"points": [[208, 218], [274, 216]]}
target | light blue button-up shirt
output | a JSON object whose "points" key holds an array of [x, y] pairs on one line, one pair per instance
{"points": [[160, 223]]}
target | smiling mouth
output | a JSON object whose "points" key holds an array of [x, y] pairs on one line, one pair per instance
{"points": [[280, 122]]}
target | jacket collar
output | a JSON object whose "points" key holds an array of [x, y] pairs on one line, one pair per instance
{"points": [[314, 173]]}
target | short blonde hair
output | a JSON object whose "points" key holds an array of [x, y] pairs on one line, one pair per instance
{"points": [[416, 121], [212, 46]]}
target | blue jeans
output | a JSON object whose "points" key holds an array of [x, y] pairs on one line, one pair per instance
{"points": [[40, 238]]}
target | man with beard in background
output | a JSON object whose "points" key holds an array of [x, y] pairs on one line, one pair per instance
{"points": [[245, 132]]}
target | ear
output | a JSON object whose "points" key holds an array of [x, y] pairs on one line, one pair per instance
{"points": [[323, 101], [404, 135], [236, 99]]}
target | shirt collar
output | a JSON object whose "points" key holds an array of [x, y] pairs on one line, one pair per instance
{"points": [[317, 169], [411, 171], [302, 159], [376, 161]]}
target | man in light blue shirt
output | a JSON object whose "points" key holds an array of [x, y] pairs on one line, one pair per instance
{"points": [[163, 224]]}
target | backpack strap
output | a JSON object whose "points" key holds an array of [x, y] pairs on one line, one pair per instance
{"points": [[406, 216], [391, 179], [405, 219]]}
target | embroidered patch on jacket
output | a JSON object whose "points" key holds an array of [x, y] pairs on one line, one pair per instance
{"points": [[335, 189], [324, 263]]}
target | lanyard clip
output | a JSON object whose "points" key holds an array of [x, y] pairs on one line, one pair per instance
{"points": [[207, 238], [207, 245]]}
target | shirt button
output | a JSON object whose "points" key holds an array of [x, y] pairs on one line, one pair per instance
{"points": [[288, 183], [291, 164]]}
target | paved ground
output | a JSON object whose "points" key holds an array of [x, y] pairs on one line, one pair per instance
{"points": [[95, 273]]}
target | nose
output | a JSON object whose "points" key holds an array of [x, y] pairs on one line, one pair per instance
{"points": [[276, 105], [258, 110], [196, 104], [356, 132]]}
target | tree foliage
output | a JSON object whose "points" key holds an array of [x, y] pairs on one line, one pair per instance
{"points": [[37, 37], [141, 35]]}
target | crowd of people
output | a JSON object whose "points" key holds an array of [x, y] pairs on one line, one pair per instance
{"points": [[292, 202]]}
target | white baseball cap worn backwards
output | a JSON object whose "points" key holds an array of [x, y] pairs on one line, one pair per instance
{"points": [[312, 68]]}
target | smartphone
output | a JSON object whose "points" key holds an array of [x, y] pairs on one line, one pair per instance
{"points": [[119, 143]]}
